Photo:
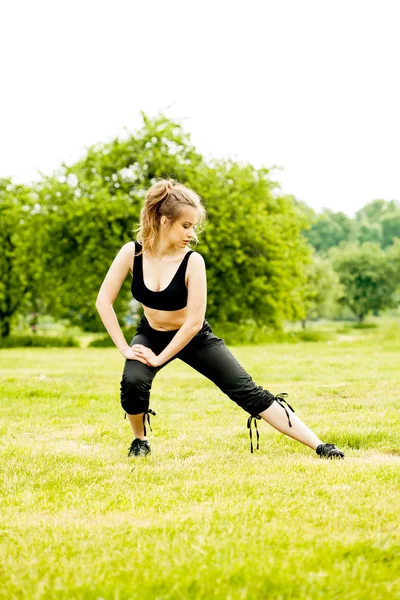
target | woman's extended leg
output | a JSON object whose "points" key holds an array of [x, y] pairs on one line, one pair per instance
{"points": [[209, 356], [275, 416]]}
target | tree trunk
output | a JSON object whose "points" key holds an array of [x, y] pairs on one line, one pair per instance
{"points": [[5, 326]]}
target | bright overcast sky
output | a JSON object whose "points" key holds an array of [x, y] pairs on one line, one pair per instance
{"points": [[309, 85]]}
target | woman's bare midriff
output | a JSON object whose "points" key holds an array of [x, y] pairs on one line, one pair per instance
{"points": [[165, 320]]}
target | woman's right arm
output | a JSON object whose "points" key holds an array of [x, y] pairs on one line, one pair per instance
{"points": [[109, 289]]}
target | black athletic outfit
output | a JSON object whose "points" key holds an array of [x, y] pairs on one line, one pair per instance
{"points": [[205, 352]]}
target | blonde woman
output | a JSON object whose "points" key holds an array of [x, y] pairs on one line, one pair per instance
{"points": [[169, 280]]}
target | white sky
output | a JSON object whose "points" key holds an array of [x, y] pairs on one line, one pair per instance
{"points": [[310, 85]]}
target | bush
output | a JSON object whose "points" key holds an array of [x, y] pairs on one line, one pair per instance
{"points": [[106, 342], [103, 342], [249, 334], [314, 336], [38, 341]]}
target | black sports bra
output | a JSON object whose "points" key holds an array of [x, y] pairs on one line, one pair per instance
{"points": [[174, 297]]}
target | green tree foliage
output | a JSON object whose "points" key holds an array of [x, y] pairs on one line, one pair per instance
{"points": [[80, 234], [368, 275], [379, 221], [390, 228], [374, 211], [252, 245], [330, 228], [17, 254], [393, 254], [324, 289]]}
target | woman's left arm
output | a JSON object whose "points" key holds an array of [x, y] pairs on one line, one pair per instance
{"points": [[196, 310]]}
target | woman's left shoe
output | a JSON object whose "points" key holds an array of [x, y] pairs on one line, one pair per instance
{"points": [[139, 448], [329, 451]]}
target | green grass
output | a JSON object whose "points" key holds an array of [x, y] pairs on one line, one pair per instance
{"points": [[202, 517]]}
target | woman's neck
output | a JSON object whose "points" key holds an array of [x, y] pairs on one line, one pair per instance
{"points": [[163, 250]]}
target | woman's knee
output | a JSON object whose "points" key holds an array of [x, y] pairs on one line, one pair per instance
{"points": [[252, 398], [135, 391]]}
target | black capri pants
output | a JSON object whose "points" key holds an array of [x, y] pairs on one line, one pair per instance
{"points": [[208, 355]]}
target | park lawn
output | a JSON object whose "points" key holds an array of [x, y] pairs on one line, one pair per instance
{"points": [[201, 517]]}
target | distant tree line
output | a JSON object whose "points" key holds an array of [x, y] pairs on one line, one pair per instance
{"points": [[356, 261], [269, 258], [378, 222]]}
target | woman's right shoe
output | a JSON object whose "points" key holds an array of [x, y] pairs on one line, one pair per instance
{"points": [[329, 451], [139, 448]]}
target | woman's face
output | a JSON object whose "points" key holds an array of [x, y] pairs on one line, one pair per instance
{"points": [[182, 231]]}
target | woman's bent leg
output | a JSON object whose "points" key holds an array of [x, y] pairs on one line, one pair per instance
{"points": [[136, 382], [137, 425], [137, 379]]}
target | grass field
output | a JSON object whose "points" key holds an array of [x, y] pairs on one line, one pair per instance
{"points": [[202, 517]]}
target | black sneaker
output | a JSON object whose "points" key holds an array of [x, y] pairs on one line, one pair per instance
{"points": [[329, 451], [139, 448]]}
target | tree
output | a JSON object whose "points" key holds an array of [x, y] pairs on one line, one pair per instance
{"points": [[324, 289], [80, 235], [329, 229], [368, 276], [379, 221], [374, 211], [390, 228], [252, 245], [17, 206], [393, 254]]}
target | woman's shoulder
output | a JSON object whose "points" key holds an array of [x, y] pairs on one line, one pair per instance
{"points": [[128, 248], [133, 246], [195, 255], [196, 260], [128, 252]]}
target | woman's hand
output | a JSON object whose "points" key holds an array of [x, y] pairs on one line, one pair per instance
{"points": [[142, 354], [132, 354]]}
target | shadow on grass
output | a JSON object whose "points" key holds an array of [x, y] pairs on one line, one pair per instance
{"points": [[390, 451], [364, 326], [358, 440]]}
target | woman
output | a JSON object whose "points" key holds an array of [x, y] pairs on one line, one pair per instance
{"points": [[170, 281]]}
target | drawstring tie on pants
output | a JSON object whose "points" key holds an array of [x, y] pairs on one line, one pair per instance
{"points": [[148, 413], [249, 421], [279, 398]]}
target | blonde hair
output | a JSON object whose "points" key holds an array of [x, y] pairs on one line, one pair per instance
{"points": [[166, 198]]}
